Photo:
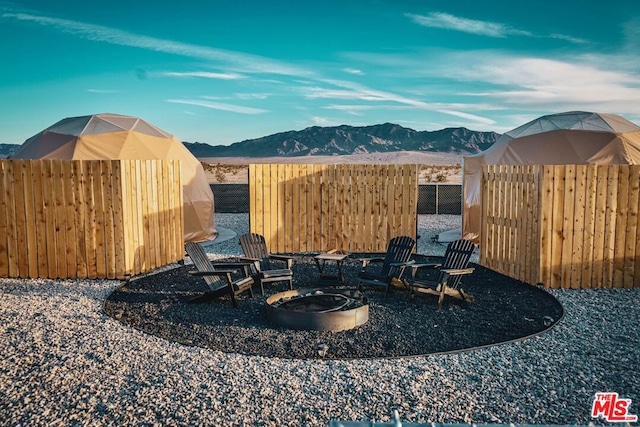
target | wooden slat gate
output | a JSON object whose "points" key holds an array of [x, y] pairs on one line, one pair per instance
{"points": [[310, 208], [567, 226], [89, 219]]}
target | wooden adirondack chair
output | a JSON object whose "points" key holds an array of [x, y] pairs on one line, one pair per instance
{"points": [[395, 261], [452, 269], [219, 276], [255, 250]]}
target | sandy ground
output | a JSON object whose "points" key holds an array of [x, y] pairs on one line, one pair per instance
{"points": [[434, 167]]}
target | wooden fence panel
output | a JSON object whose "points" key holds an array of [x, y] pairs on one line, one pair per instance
{"points": [[83, 219], [320, 207], [566, 226]]}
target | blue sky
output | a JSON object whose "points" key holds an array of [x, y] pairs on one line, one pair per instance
{"points": [[224, 71]]}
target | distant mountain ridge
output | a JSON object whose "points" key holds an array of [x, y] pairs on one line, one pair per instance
{"points": [[7, 150], [341, 140], [344, 140]]}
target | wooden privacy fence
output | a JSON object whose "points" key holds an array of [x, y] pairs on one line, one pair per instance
{"points": [[568, 226], [89, 219], [308, 208]]}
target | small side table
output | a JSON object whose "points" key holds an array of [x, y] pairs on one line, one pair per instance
{"points": [[321, 262]]}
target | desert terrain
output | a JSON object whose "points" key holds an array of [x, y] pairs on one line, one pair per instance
{"points": [[444, 168]]}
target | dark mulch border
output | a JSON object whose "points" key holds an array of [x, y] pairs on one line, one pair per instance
{"points": [[504, 310]]}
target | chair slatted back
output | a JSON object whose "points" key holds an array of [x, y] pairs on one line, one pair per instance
{"points": [[399, 249], [457, 255], [201, 261], [254, 246]]}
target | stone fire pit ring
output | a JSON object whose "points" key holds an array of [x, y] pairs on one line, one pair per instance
{"points": [[318, 309]]}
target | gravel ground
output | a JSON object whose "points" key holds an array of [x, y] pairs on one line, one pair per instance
{"points": [[65, 362]]}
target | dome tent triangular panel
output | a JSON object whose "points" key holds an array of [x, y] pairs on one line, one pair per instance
{"points": [[88, 138], [575, 137], [70, 126], [99, 124]]}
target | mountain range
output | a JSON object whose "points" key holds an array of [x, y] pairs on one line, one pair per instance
{"points": [[342, 140], [7, 150]]}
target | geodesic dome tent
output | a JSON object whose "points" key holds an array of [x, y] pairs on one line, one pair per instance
{"points": [[575, 137], [114, 136]]}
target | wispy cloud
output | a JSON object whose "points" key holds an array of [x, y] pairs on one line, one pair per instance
{"points": [[205, 75], [571, 39], [238, 96], [555, 84], [483, 28], [354, 71], [353, 91], [249, 96], [354, 110], [456, 23], [491, 80], [242, 61], [218, 106]]}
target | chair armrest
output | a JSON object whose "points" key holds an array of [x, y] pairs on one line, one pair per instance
{"points": [[255, 262], [286, 258], [281, 257], [402, 264], [371, 259], [366, 261], [236, 265], [457, 271], [247, 259], [416, 267]]}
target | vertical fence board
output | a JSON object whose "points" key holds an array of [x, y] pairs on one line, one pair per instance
{"points": [[368, 238], [622, 223], [4, 235], [100, 235], [317, 205], [21, 218], [109, 221], [546, 224], [566, 227], [485, 229], [289, 226], [324, 195], [69, 183], [12, 248], [154, 208], [305, 202], [389, 204], [80, 220], [30, 204], [120, 205], [610, 225], [537, 221], [590, 186], [599, 226], [578, 218], [274, 214], [39, 219], [49, 214]]}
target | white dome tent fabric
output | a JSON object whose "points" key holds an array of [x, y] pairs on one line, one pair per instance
{"points": [[114, 136], [575, 137]]}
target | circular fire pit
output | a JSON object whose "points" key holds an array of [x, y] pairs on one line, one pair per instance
{"points": [[319, 309]]}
